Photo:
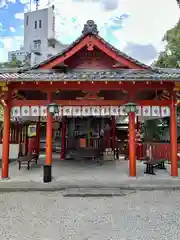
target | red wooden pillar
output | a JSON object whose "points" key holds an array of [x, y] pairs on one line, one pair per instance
{"points": [[137, 124], [63, 138], [107, 134], [132, 145], [174, 146], [49, 124], [113, 133], [5, 147]]}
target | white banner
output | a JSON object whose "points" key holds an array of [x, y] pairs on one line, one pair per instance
{"points": [[165, 111], [156, 111], [86, 111], [96, 111], [60, 114], [43, 111], [16, 111], [146, 111], [122, 111], [67, 111], [76, 111], [114, 111], [25, 111], [105, 111], [35, 111], [138, 111]]}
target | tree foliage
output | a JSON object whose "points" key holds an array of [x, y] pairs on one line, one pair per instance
{"points": [[14, 63], [153, 130], [170, 57]]}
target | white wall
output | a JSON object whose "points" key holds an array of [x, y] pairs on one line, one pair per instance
{"points": [[13, 151], [46, 31], [45, 34]]}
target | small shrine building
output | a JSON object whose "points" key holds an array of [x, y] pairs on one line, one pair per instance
{"points": [[90, 78]]}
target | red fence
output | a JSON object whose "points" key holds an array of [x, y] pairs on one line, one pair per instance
{"points": [[159, 150]]}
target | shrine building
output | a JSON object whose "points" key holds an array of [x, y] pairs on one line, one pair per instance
{"points": [[94, 84]]}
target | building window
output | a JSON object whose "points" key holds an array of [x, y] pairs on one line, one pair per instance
{"points": [[27, 20], [40, 23], [37, 44], [35, 24]]}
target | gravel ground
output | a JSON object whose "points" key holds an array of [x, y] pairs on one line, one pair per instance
{"points": [[50, 216]]}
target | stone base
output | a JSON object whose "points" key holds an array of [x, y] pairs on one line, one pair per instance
{"points": [[47, 174]]}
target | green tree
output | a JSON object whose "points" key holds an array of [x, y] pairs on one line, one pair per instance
{"points": [[170, 57], [14, 63]]}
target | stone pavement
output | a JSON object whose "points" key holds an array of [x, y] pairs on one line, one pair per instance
{"points": [[69, 174], [50, 216]]}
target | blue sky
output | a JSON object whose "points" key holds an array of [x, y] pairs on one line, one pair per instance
{"points": [[134, 26]]}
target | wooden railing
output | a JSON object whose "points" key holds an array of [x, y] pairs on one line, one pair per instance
{"points": [[158, 150]]}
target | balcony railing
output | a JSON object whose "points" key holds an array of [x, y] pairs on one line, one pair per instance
{"points": [[36, 49]]}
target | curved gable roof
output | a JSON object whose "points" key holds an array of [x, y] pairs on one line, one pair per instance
{"points": [[90, 29]]}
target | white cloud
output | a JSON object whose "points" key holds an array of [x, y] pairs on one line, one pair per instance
{"points": [[147, 22], [9, 44], [11, 1], [12, 29], [3, 53], [4, 3], [19, 15], [1, 27], [24, 1]]}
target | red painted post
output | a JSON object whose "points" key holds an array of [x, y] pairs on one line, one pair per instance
{"points": [[174, 146], [132, 145], [6, 138], [108, 139], [137, 124]]}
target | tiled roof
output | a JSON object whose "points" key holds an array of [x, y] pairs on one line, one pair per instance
{"points": [[90, 28], [88, 75]]}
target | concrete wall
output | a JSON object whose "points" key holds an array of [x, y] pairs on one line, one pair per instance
{"points": [[49, 46], [42, 33], [13, 151]]}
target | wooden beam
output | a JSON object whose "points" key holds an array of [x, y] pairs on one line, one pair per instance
{"points": [[68, 54], [98, 102], [90, 85], [114, 55], [98, 44]]}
